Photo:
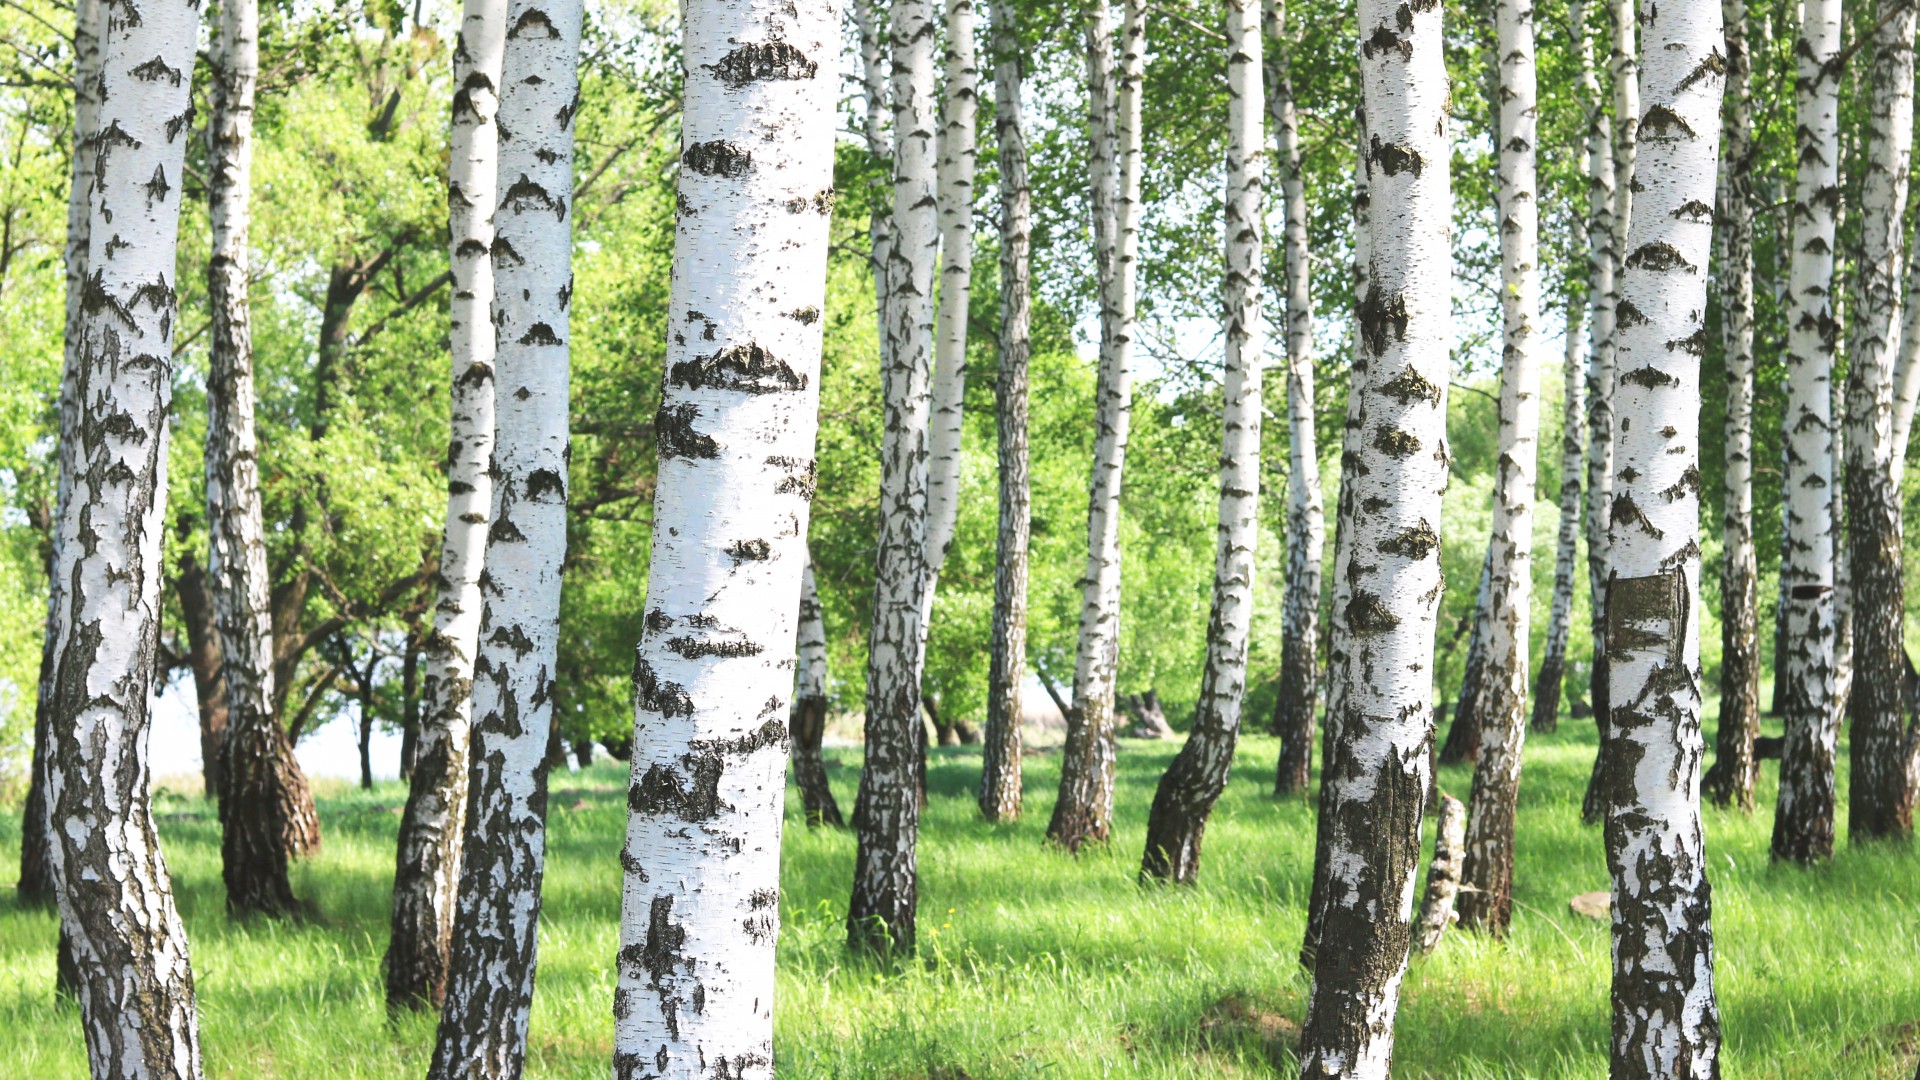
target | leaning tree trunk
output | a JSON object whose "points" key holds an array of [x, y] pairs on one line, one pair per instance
{"points": [[700, 908], [887, 820], [1730, 781], [1803, 826], [1083, 810], [1906, 378], [36, 885], [1006, 671], [253, 851], [1198, 774], [810, 708], [1665, 1021], [958, 152], [1487, 885], [1294, 709], [1881, 799], [129, 949], [426, 872], [1443, 875], [1339, 641], [1553, 664], [1397, 455], [1463, 735], [490, 969]]}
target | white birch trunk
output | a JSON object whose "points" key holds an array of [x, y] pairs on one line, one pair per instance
{"points": [[809, 712], [1488, 895], [873, 128], [1566, 555], [427, 861], [1665, 1021], [1906, 376], [116, 902], [1622, 62], [1443, 875], [1198, 774], [483, 1029], [1398, 471], [888, 815], [1803, 818], [700, 906], [959, 106]]}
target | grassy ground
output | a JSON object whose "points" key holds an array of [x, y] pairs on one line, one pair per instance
{"points": [[1035, 964]]}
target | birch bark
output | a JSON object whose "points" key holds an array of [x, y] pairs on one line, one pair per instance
{"points": [[880, 915], [1487, 893], [873, 129], [490, 970], [700, 909], [1803, 818], [1294, 709], [1665, 1021], [810, 707], [1000, 760], [1443, 875], [1881, 796], [116, 903], [959, 106], [1553, 663], [1193, 782], [1398, 465], [427, 858]]}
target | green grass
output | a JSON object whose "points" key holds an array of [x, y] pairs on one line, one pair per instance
{"points": [[1038, 965]]}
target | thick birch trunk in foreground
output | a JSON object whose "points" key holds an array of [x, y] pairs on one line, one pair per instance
{"points": [[1881, 797], [1443, 875], [701, 904], [427, 860], [1397, 458], [36, 869], [1339, 642], [1665, 1021], [1803, 818], [887, 821], [1566, 554], [810, 708], [1083, 810], [1294, 709], [116, 902], [958, 152], [1487, 900], [490, 970], [1006, 672], [1730, 781], [252, 806], [1198, 774]]}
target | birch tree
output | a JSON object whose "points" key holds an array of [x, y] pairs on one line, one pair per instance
{"points": [[1573, 451], [809, 722], [1730, 781], [1803, 817], [700, 906], [1083, 810], [879, 143], [1665, 1021], [116, 902], [1300, 614], [887, 819], [1000, 788], [1881, 750], [490, 972], [1397, 454], [1198, 774], [958, 153], [427, 861]]}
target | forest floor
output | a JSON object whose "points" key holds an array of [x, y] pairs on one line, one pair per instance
{"points": [[1034, 964]]}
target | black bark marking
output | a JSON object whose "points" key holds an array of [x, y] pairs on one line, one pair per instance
{"points": [[1714, 64], [1689, 483], [568, 111], [1647, 613], [1395, 159], [533, 19], [470, 248], [1662, 122], [761, 61], [1626, 314], [179, 122], [1660, 257], [750, 551], [503, 251], [805, 316], [463, 106], [665, 698], [1694, 344], [1627, 512], [748, 368], [673, 431], [1383, 320], [1410, 386], [525, 193], [156, 69], [661, 791], [1395, 442], [1368, 614], [695, 648], [1694, 210], [1415, 543], [157, 188], [1649, 377], [1383, 40], [800, 479], [540, 334], [543, 482], [718, 158]]}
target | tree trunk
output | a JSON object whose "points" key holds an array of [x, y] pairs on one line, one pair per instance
{"points": [[880, 915], [1397, 467], [427, 860], [1198, 774], [1553, 664], [810, 708], [1443, 875], [490, 969], [1665, 1021], [205, 665], [129, 949], [958, 152], [1803, 825], [409, 705], [1487, 900], [1006, 671], [700, 907], [873, 85], [1881, 797], [1730, 781], [1906, 379], [1083, 810], [1469, 714], [1294, 709]]}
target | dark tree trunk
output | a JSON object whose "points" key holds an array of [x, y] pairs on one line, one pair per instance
{"points": [[583, 752], [409, 705], [1463, 738], [1293, 718], [1880, 801], [809, 765], [254, 849], [366, 747], [204, 660], [1323, 829], [1593, 806]]}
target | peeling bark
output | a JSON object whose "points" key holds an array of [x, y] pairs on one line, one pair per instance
{"points": [[1198, 774], [490, 967], [809, 719], [700, 906]]}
